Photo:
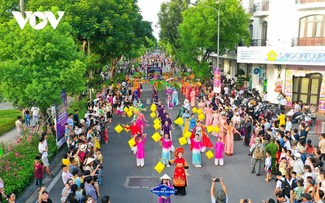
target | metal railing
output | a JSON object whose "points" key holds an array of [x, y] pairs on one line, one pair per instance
{"points": [[258, 42], [263, 6], [308, 41], [308, 1]]}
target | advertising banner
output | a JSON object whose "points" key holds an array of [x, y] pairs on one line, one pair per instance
{"points": [[61, 119], [216, 80]]}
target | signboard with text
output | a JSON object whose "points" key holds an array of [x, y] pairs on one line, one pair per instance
{"points": [[61, 119], [282, 55]]}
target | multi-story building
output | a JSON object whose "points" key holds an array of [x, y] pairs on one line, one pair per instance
{"points": [[287, 52]]}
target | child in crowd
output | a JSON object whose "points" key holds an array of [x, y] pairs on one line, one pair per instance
{"points": [[38, 171], [268, 166]]}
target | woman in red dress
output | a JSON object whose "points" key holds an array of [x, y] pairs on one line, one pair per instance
{"points": [[180, 172]]}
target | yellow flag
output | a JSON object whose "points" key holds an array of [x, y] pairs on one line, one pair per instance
{"points": [[199, 111], [127, 130], [179, 121], [182, 141], [131, 142], [156, 137], [201, 117], [187, 134], [216, 129], [210, 128], [194, 110], [156, 121], [118, 128], [157, 126], [153, 114], [159, 167], [126, 109], [153, 107], [209, 154], [129, 113]]}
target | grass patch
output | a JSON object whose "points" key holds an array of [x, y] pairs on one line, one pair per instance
{"points": [[7, 120]]}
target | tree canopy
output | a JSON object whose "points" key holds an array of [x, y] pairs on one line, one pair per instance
{"points": [[36, 65]]}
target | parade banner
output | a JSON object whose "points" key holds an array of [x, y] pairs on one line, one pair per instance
{"points": [[163, 190], [216, 80], [61, 119]]}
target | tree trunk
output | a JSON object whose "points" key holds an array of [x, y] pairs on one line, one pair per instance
{"points": [[113, 64], [42, 121]]}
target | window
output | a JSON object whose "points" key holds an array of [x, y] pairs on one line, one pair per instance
{"points": [[312, 30]]}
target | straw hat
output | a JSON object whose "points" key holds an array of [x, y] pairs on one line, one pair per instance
{"points": [[165, 177], [178, 150], [89, 160]]}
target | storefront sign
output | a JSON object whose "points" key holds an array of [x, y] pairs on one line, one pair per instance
{"points": [[282, 55], [278, 86]]}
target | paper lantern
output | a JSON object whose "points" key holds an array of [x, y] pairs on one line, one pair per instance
{"points": [[157, 126], [179, 121], [199, 111], [129, 113], [209, 154], [156, 137], [210, 128], [118, 128], [127, 130], [131, 142], [194, 110], [201, 117], [159, 167], [182, 141], [187, 134], [153, 114], [126, 109], [215, 129]]}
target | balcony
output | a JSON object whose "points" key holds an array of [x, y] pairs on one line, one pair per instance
{"points": [[258, 42], [261, 9], [310, 4], [308, 41]]}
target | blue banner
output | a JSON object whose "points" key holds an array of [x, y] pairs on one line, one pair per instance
{"points": [[163, 190]]}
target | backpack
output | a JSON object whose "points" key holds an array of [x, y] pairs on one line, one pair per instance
{"points": [[285, 188], [258, 152]]}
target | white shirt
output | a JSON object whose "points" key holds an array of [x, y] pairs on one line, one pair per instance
{"points": [[298, 166], [42, 148], [35, 110], [226, 89], [19, 126], [288, 126]]}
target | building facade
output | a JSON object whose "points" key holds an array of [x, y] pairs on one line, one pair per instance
{"points": [[287, 52]]}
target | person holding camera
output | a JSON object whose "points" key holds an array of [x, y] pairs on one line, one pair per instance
{"points": [[220, 196]]}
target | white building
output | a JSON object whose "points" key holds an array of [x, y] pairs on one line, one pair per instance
{"points": [[287, 52]]}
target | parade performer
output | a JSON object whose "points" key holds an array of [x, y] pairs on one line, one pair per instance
{"points": [[180, 112], [175, 97], [166, 129], [186, 120], [223, 126], [165, 180], [193, 97], [209, 115], [219, 152], [215, 122], [187, 104], [203, 136], [201, 104], [167, 146], [196, 146], [230, 139], [192, 122], [180, 172], [140, 142], [135, 130]]}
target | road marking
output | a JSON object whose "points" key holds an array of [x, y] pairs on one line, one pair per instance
{"points": [[49, 188]]}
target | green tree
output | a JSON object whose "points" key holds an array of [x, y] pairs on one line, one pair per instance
{"points": [[36, 65], [170, 17], [199, 29]]}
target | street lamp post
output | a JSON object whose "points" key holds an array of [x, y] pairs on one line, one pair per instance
{"points": [[218, 26]]}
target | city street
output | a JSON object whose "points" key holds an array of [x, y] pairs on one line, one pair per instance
{"points": [[120, 166]]}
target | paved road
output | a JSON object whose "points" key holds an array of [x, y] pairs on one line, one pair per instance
{"points": [[120, 164], [5, 105]]}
